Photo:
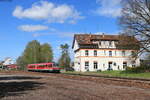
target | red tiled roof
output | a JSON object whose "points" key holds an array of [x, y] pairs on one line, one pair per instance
{"points": [[87, 39]]}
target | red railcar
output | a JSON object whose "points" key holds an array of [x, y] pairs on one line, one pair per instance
{"points": [[12, 66], [43, 67]]}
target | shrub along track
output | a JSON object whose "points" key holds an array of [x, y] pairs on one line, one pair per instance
{"points": [[119, 81]]}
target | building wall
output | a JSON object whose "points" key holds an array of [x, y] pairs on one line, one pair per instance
{"points": [[76, 46], [8, 61], [105, 52], [103, 59], [106, 44]]}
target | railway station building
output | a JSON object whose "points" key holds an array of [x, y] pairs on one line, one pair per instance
{"points": [[104, 52]]}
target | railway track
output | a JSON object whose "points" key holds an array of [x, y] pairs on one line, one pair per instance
{"points": [[108, 77], [35, 85], [97, 76], [119, 81]]}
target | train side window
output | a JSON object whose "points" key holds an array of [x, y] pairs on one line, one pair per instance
{"points": [[50, 65], [32, 66], [41, 66]]}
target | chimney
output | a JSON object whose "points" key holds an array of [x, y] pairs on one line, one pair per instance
{"points": [[90, 34], [103, 34]]}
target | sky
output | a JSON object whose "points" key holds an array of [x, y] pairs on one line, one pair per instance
{"points": [[54, 22]]}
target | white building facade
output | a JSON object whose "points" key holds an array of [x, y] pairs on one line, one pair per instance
{"points": [[101, 52], [8, 61]]}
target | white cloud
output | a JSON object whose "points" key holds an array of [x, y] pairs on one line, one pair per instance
{"points": [[45, 10], [109, 8], [60, 34], [32, 28]]}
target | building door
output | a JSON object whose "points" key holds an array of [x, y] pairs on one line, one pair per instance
{"points": [[110, 66], [124, 65]]}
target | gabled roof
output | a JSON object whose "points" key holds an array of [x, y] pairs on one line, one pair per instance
{"points": [[86, 40]]}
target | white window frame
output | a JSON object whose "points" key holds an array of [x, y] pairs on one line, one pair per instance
{"points": [[110, 53], [95, 64], [124, 65], [95, 52], [86, 52], [110, 43], [123, 53], [86, 65]]}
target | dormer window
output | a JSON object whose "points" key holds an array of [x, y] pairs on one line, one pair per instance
{"points": [[94, 41], [110, 43], [100, 43], [104, 42]]}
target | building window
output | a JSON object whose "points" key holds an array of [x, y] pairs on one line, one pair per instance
{"points": [[115, 53], [86, 65], [110, 64], [115, 64], [103, 42], [133, 63], [95, 53], [133, 54], [110, 53], [95, 65], [100, 43], [110, 43], [118, 67], [86, 52], [123, 53], [124, 65], [103, 65]]}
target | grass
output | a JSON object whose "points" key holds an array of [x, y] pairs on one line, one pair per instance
{"points": [[115, 74]]}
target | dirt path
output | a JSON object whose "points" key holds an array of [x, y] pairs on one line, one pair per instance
{"points": [[34, 86]]}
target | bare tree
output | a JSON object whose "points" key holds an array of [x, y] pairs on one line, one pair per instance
{"points": [[135, 21]]}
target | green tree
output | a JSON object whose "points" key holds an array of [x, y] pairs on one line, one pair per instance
{"points": [[32, 52], [35, 53], [147, 56], [64, 60], [21, 63], [46, 53], [30, 55]]}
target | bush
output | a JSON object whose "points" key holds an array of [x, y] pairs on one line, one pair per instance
{"points": [[69, 69], [99, 70], [139, 69]]}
